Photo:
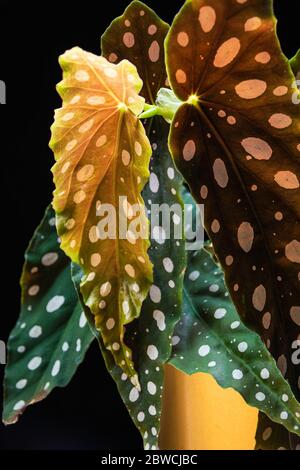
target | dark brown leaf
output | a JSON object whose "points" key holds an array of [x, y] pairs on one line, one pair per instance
{"points": [[236, 141], [138, 35]]}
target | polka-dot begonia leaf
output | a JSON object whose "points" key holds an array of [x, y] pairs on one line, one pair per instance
{"points": [[100, 109], [51, 336], [211, 338], [102, 154], [138, 35], [149, 337], [236, 142], [271, 435]]}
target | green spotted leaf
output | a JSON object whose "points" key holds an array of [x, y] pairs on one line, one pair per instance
{"points": [[236, 142], [138, 36], [211, 338], [102, 155], [149, 337], [51, 336]]}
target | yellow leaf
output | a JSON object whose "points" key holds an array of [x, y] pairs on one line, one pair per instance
{"points": [[103, 155]]}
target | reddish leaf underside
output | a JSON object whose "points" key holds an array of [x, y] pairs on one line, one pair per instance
{"points": [[102, 154], [236, 141], [138, 35]]}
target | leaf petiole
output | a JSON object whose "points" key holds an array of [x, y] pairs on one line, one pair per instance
{"points": [[166, 106]]}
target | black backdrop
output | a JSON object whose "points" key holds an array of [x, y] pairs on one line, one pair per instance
{"points": [[89, 414]]}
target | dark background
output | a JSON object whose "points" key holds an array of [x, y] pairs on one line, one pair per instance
{"points": [[89, 414]]}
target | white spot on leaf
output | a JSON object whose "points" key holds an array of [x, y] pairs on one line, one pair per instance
{"points": [[154, 183], [287, 180], [245, 236], [257, 148], [160, 319], [204, 350], [155, 294], [292, 251], [259, 298], [252, 24], [189, 150], [227, 52], [220, 173], [207, 18], [295, 314], [55, 303], [280, 121], [152, 352], [251, 89], [154, 51]]}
